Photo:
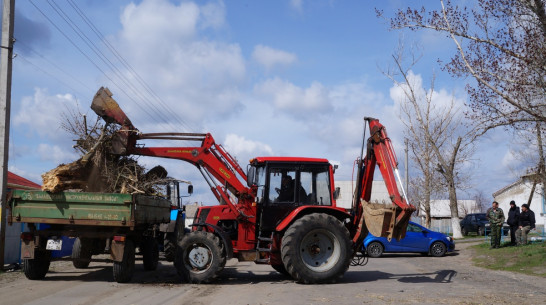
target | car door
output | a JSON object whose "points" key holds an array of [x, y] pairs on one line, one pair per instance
{"points": [[473, 226], [416, 239]]}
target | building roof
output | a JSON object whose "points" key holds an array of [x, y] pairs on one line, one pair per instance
{"points": [[18, 182], [521, 180]]}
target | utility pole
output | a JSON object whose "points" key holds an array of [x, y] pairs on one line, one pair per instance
{"points": [[6, 55]]}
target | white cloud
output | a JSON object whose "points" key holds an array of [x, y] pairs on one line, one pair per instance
{"points": [[297, 5], [42, 112], [244, 149], [269, 57], [151, 20], [294, 100], [196, 77], [56, 154]]}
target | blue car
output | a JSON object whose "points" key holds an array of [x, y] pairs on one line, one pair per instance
{"points": [[418, 240]]}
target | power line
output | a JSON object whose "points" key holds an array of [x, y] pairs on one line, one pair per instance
{"points": [[103, 57], [45, 72], [88, 58], [102, 38], [19, 42]]}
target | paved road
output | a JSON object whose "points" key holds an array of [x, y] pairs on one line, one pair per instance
{"points": [[401, 279]]}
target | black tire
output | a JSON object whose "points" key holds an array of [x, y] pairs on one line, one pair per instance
{"points": [[375, 249], [464, 231], [280, 269], [36, 269], [169, 246], [150, 253], [316, 249], [81, 253], [124, 270], [200, 257], [438, 249], [481, 231]]}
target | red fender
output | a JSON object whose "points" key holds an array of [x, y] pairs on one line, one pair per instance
{"points": [[339, 213]]}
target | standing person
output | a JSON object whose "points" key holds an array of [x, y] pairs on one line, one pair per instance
{"points": [[513, 218], [495, 215], [526, 223]]}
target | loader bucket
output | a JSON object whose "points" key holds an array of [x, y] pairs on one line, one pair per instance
{"points": [[108, 109], [381, 220]]}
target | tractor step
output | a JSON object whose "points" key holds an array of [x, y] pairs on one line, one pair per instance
{"points": [[268, 239], [263, 249]]}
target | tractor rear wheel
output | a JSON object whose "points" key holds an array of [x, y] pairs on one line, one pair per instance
{"points": [[200, 257], [169, 246], [316, 249]]}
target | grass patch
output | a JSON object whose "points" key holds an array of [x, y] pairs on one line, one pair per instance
{"points": [[530, 259]]}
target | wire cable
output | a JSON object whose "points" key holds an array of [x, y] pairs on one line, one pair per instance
{"points": [[124, 62], [88, 58], [103, 58]]}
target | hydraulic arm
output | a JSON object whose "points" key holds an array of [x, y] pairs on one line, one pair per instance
{"points": [[387, 220]]}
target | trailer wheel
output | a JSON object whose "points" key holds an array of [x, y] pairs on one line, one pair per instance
{"points": [[200, 257], [36, 269], [123, 271], [150, 253], [316, 249], [81, 253]]}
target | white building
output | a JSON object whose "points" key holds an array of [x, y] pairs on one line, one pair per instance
{"points": [[440, 211], [519, 191], [345, 199]]}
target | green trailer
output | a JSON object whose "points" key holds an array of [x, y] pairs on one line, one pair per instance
{"points": [[101, 223]]}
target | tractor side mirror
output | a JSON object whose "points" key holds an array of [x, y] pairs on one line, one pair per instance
{"points": [[190, 189]]}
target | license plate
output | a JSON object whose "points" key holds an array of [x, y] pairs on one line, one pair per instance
{"points": [[54, 244]]}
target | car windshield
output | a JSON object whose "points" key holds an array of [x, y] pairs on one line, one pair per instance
{"points": [[481, 217]]}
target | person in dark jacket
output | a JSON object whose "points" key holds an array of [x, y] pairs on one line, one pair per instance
{"points": [[513, 218], [526, 223]]}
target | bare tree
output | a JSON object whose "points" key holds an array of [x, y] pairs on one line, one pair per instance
{"points": [[437, 128], [482, 202], [501, 44], [525, 146]]}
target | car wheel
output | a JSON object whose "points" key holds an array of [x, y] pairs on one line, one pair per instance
{"points": [[438, 249], [464, 231], [375, 249], [481, 231]]}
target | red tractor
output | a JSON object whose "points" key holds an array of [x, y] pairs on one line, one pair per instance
{"points": [[281, 212]]}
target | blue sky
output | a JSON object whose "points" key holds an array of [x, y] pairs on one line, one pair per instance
{"points": [[291, 77]]}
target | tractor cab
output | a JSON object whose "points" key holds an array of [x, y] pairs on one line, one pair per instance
{"points": [[284, 184]]}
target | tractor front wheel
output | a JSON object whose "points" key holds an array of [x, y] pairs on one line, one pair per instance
{"points": [[316, 249], [150, 253], [200, 257]]}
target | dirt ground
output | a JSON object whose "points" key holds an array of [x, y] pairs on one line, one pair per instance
{"points": [[395, 278]]}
